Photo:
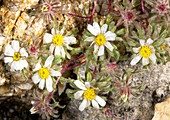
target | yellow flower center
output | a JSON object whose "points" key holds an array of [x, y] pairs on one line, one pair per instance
{"points": [[100, 39], [17, 56], [44, 73], [163, 47], [44, 8], [58, 40], [145, 51], [89, 94]]}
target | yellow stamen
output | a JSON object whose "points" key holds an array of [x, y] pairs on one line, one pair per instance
{"points": [[58, 40], [44, 8], [17, 56], [145, 51], [89, 94], [100, 39], [44, 73], [163, 47]]}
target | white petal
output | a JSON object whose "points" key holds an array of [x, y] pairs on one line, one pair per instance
{"points": [[96, 47], [78, 94], [135, 60], [41, 84], [49, 84], [153, 58], [36, 78], [63, 54], [47, 38], [53, 31], [54, 73], [145, 61], [90, 39], [101, 50], [110, 36], [136, 50], [109, 46], [8, 59], [88, 103], [142, 42], [49, 61], [100, 101], [96, 27], [91, 29], [24, 63], [8, 50], [37, 67], [52, 48], [62, 31], [87, 84], [95, 104], [149, 41], [103, 29], [23, 52], [14, 65], [69, 40], [15, 45], [80, 85], [83, 105], [57, 50]]}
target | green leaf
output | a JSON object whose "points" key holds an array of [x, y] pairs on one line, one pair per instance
{"points": [[118, 39], [121, 31], [89, 77], [23, 74]]}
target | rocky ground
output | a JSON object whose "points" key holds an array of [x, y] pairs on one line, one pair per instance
{"points": [[15, 95]]}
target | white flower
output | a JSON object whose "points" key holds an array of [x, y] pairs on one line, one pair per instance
{"points": [[101, 37], [146, 52], [44, 74], [89, 95], [15, 56], [58, 42]]}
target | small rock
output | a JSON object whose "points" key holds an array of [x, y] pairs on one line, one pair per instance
{"points": [[20, 27], [162, 110]]}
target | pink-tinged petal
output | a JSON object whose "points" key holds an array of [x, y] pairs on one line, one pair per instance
{"points": [[149, 41], [87, 84], [41, 84], [152, 48], [54, 73], [49, 61], [23, 52], [145, 61], [47, 38], [95, 104], [80, 85], [96, 47], [52, 48], [15, 45], [53, 31], [153, 58], [8, 50], [36, 78], [83, 105], [101, 50], [63, 54], [103, 29], [136, 50], [142, 42], [8, 59], [69, 40], [100, 101], [62, 31], [135, 60], [91, 29], [110, 36], [78, 94], [49, 84], [109, 46], [89, 39], [96, 27], [57, 50], [37, 67]]}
